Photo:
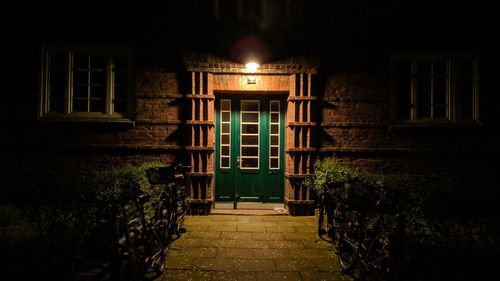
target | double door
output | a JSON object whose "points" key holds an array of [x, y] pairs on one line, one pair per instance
{"points": [[250, 148]]}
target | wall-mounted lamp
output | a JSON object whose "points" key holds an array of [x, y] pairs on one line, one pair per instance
{"points": [[251, 68], [251, 79]]}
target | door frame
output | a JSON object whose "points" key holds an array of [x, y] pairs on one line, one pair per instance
{"points": [[275, 196]]}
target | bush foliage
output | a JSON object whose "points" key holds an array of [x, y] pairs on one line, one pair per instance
{"points": [[76, 215]]}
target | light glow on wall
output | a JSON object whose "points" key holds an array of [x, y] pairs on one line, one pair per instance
{"points": [[252, 66]]}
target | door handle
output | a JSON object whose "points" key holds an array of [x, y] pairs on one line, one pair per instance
{"points": [[237, 161]]}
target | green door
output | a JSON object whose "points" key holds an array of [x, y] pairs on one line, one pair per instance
{"points": [[249, 148]]}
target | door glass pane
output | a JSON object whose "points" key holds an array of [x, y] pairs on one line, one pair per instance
{"points": [[274, 151], [250, 117], [249, 139], [225, 139], [225, 105], [247, 162], [225, 134], [249, 151], [249, 105], [224, 163], [274, 140], [274, 128], [245, 140], [274, 163], [250, 128], [275, 117]]}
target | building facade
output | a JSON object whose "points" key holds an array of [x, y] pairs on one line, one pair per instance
{"points": [[324, 86]]}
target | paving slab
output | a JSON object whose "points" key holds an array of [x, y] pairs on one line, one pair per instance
{"points": [[253, 248]]}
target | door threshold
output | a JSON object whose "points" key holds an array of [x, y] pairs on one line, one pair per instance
{"points": [[249, 208], [247, 205]]}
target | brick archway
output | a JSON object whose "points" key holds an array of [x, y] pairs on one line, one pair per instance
{"points": [[210, 74]]}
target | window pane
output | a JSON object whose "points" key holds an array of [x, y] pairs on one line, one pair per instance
{"points": [[97, 62], [80, 91], [464, 89], [249, 106], [97, 105], [439, 91], [249, 128], [440, 111], [423, 91], [57, 86], [439, 68], [121, 92], [274, 140], [225, 139], [225, 105], [121, 78], [249, 162], [224, 150], [275, 117], [98, 92], [250, 140], [275, 106], [80, 62], [225, 162], [80, 77], [249, 151], [274, 129], [98, 78], [424, 68], [225, 128], [424, 111], [250, 117], [274, 163], [274, 151], [80, 105], [226, 116]]}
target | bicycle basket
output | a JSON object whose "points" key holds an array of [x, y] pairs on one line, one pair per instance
{"points": [[158, 175]]}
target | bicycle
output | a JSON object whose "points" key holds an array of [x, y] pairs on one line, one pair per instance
{"points": [[330, 215], [364, 246], [141, 247], [172, 207]]}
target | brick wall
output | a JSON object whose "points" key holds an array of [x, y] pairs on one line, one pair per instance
{"points": [[355, 125]]}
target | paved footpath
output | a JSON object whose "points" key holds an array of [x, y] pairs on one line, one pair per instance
{"points": [[253, 248]]}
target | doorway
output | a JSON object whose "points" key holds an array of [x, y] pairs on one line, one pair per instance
{"points": [[250, 143]]}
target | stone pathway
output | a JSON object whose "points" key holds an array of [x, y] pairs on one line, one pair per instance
{"points": [[253, 248]]}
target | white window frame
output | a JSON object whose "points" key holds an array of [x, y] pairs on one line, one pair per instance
{"points": [[451, 92], [67, 113], [258, 135], [222, 133], [276, 135]]}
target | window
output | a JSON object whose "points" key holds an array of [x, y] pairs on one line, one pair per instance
{"points": [[85, 83], [436, 88]]}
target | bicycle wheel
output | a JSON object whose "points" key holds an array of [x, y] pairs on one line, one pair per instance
{"points": [[161, 221], [349, 242], [335, 228], [132, 268], [376, 263], [322, 223], [156, 251]]}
